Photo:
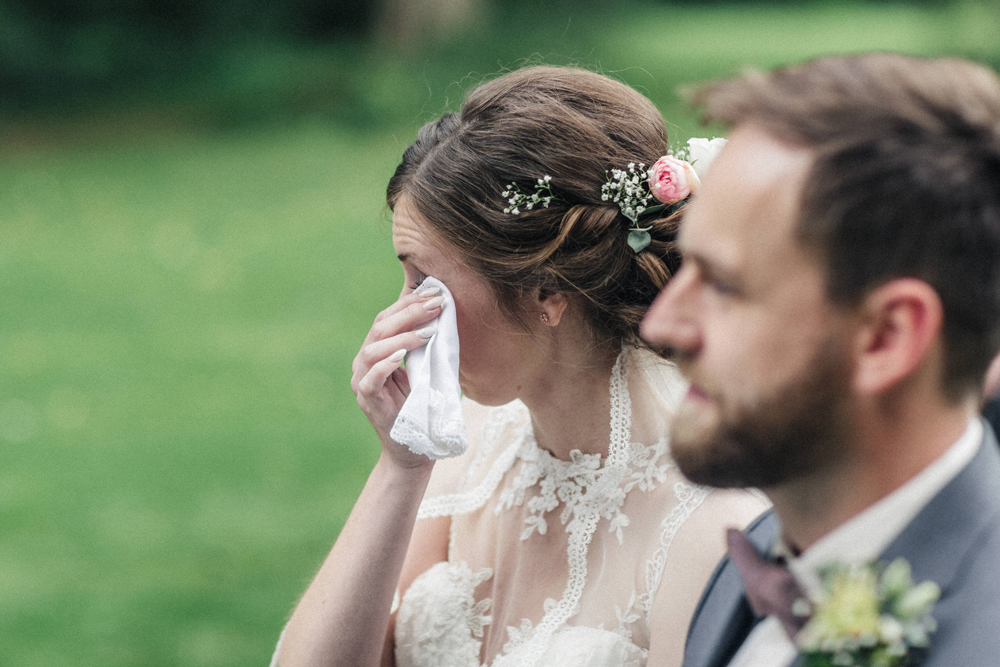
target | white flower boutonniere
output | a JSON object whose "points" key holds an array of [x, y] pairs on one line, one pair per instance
{"points": [[869, 617]]}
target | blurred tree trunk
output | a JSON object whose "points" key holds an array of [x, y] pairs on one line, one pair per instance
{"points": [[404, 25]]}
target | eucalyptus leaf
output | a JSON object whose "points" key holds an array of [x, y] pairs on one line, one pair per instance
{"points": [[654, 211], [638, 240]]}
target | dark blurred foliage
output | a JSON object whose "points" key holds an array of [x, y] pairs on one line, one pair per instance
{"points": [[70, 51], [65, 56]]}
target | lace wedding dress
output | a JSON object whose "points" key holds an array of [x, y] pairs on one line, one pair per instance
{"points": [[551, 562]]}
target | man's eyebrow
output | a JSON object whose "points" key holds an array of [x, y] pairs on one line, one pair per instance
{"points": [[712, 270]]}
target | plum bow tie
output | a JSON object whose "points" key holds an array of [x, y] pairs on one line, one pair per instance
{"points": [[771, 588]]}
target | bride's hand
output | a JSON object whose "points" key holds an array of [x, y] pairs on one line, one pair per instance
{"points": [[378, 381]]}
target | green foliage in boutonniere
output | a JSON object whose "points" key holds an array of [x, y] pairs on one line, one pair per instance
{"points": [[869, 617]]}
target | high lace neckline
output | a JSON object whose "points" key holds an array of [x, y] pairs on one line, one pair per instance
{"points": [[578, 484], [510, 472], [588, 490], [526, 448]]}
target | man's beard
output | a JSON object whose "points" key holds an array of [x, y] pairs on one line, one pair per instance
{"points": [[797, 430]]}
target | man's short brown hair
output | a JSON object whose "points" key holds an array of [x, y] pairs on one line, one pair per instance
{"points": [[906, 181]]}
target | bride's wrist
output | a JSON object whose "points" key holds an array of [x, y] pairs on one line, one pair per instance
{"points": [[414, 468]]}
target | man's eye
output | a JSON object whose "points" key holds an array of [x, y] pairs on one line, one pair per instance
{"points": [[724, 289]]}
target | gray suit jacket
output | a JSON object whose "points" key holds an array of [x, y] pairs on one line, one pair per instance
{"points": [[954, 541]]}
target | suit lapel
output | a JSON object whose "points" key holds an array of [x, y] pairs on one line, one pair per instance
{"points": [[723, 618], [938, 538], [934, 543], [944, 531]]}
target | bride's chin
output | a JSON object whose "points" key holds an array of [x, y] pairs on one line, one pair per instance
{"points": [[484, 400], [483, 397]]}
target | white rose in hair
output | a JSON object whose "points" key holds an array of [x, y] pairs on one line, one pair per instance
{"points": [[702, 153]]}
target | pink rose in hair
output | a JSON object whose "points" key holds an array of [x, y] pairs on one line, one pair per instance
{"points": [[671, 180]]}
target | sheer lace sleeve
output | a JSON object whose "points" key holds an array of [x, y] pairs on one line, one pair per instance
{"points": [[696, 547], [467, 482], [448, 473]]}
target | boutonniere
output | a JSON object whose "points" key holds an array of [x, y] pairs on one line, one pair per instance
{"points": [[869, 616]]}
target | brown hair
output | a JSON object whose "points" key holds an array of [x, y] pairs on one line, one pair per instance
{"points": [[574, 126], [905, 182]]}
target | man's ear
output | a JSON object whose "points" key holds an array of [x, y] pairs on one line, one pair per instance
{"points": [[900, 323], [551, 306]]}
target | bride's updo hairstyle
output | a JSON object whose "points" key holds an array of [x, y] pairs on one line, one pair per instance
{"points": [[574, 126]]}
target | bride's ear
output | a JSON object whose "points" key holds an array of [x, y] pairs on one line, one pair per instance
{"points": [[551, 306]]}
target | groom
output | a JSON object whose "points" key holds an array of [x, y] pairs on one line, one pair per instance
{"points": [[837, 308]]}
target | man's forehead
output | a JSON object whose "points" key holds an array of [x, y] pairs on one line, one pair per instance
{"points": [[768, 157], [750, 198]]}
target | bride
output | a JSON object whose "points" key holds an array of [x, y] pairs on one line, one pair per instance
{"points": [[564, 535]]}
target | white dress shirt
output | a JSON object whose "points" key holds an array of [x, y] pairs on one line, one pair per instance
{"points": [[857, 541]]}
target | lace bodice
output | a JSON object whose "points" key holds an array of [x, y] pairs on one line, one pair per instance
{"points": [[555, 562]]}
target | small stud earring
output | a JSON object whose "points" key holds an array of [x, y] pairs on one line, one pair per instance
{"points": [[545, 318]]}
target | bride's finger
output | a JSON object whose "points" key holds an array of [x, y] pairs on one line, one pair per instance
{"points": [[409, 328], [372, 353], [402, 380], [412, 297], [415, 312], [375, 380]]}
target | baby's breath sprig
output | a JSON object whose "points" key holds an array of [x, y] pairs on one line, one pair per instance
{"points": [[629, 189], [681, 152], [543, 196]]}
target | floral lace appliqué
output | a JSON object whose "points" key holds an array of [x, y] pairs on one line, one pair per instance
{"points": [[572, 483], [590, 490], [443, 637]]}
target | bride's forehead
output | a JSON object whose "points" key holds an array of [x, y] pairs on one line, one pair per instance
{"points": [[416, 243], [420, 244], [410, 231]]}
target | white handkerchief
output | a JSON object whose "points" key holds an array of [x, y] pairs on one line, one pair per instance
{"points": [[431, 420]]}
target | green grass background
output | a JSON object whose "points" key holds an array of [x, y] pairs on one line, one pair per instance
{"points": [[185, 279]]}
